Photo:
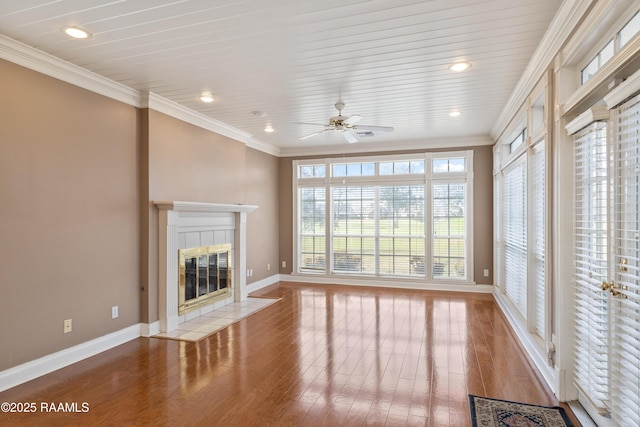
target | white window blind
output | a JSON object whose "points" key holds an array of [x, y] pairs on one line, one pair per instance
{"points": [[590, 223], [537, 209], [497, 219], [515, 234], [449, 230], [402, 230], [354, 231], [625, 328], [312, 228]]}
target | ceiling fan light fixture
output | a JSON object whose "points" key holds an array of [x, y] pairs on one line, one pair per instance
{"points": [[207, 97], [76, 32], [460, 66], [347, 126]]}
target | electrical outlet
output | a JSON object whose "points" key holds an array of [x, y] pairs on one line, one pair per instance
{"points": [[268, 267], [486, 272], [284, 264], [67, 326], [114, 312]]}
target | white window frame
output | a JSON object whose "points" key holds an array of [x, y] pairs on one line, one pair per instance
{"points": [[427, 179]]}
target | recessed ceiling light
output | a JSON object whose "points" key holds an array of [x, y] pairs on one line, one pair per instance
{"points": [[207, 97], [460, 66], [268, 129], [76, 32], [454, 114]]}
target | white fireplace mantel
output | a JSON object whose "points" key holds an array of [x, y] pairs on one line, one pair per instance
{"points": [[180, 220], [203, 207]]}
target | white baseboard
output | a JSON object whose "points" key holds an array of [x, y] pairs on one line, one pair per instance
{"points": [[36, 368], [149, 329], [387, 283], [252, 287]]}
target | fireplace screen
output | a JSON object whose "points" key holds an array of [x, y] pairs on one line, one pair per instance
{"points": [[205, 276]]}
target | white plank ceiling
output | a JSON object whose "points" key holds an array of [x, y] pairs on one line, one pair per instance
{"points": [[387, 60]]}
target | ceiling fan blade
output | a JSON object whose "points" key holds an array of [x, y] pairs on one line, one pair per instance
{"points": [[380, 128], [352, 119], [313, 134], [311, 124], [351, 138]]}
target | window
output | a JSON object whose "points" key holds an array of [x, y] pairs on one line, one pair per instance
{"points": [[591, 265], [353, 169], [598, 62], [402, 230], [629, 31], [448, 165], [392, 216], [515, 235], [312, 224], [402, 167], [537, 190], [312, 171], [497, 219], [624, 36], [353, 229], [518, 141], [449, 230]]}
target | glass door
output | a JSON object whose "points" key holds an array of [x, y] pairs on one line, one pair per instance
{"points": [[607, 267], [624, 288]]}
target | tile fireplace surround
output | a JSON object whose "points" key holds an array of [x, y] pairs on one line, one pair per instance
{"points": [[185, 225]]}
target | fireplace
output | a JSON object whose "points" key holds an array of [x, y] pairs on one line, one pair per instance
{"points": [[212, 238], [206, 275]]}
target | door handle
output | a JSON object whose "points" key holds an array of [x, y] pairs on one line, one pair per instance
{"points": [[611, 287]]}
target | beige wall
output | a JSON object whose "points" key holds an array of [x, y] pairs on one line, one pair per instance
{"points": [[69, 227], [263, 190], [482, 211], [483, 214]]}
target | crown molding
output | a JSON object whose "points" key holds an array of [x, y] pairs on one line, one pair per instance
{"points": [[173, 109], [36, 60], [52, 66], [163, 105], [381, 147], [256, 144], [563, 24]]}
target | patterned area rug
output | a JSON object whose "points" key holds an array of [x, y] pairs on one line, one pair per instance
{"points": [[487, 412]]}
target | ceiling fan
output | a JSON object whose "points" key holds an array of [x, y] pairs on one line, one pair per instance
{"points": [[347, 126]]}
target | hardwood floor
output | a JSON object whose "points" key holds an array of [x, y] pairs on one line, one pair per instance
{"points": [[322, 356]]}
